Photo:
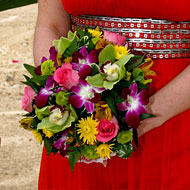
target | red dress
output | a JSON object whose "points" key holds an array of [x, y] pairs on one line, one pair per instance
{"points": [[162, 160]]}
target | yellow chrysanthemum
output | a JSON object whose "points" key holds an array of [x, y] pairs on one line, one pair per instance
{"points": [[68, 60], [95, 32], [128, 76], [26, 123], [47, 133], [103, 111], [104, 150], [88, 130], [121, 51], [37, 136]]}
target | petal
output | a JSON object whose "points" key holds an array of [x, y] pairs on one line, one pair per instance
{"points": [[140, 109], [125, 93], [133, 89], [83, 82], [76, 101], [93, 56], [53, 54], [76, 89], [89, 106], [76, 55], [122, 106], [84, 52], [97, 98], [50, 82], [42, 98], [85, 71], [143, 97], [43, 59], [132, 119], [37, 70]]}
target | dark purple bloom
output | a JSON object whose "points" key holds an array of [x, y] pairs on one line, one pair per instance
{"points": [[61, 144], [53, 56], [134, 104], [42, 97], [84, 95], [83, 60]]}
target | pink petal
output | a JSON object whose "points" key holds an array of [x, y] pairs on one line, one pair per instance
{"points": [[89, 106], [84, 52], [133, 87]]}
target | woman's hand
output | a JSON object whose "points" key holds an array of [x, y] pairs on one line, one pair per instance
{"points": [[169, 101]]}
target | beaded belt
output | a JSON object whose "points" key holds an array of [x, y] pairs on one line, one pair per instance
{"points": [[158, 39]]}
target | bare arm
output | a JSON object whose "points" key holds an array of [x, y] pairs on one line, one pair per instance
{"points": [[52, 23], [171, 100]]}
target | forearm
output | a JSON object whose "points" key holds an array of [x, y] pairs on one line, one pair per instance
{"points": [[53, 22], [172, 99]]}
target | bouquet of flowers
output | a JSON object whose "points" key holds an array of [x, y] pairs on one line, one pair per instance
{"points": [[87, 99]]}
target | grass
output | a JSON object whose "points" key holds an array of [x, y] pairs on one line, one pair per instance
{"points": [[10, 4]]}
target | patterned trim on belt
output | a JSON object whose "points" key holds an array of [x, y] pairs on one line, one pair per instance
{"points": [[157, 38]]}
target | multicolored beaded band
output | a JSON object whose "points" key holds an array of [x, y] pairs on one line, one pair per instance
{"points": [[159, 39]]}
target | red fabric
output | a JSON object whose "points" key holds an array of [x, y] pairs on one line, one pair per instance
{"points": [[174, 10], [162, 159]]}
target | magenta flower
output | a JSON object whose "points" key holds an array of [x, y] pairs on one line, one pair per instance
{"points": [[83, 60], [85, 95], [134, 104], [61, 143], [42, 97], [107, 130], [66, 77]]}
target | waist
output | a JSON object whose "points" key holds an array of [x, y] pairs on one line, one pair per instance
{"points": [[158, 39]]}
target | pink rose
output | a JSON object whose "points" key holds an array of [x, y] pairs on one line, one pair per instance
{"points": [[115, 38], [27, 99], [66, 76], [107, 130]]}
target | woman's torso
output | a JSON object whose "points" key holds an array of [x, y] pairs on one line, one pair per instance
{"points": [[174, 10]]}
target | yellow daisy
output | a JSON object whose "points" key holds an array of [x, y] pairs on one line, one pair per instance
{"points": [[95, 32], [104, 150], [121, 51], [88, 130]]}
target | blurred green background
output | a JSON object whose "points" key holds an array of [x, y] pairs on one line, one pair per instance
{"points": [[9, 4]]}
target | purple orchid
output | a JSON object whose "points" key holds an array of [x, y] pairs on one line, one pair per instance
{"points": [[134, 104], [53, 56], [61, 143], [42, 97], [86, 95], [83, 60]]}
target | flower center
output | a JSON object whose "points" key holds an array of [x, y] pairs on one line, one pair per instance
{"points": [[133, 102]]}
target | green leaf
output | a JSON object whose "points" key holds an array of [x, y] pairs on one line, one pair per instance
{"points": [[124, 150], [95, 69], [62, 44], [33, 85], [124, 60], [35, 123], [135, 137], [107, 54], [138, 74], [43, 112], [146, 115], [109, 98], [80, 32], [73, 158], [109, 84], [72, 47], [89, 152], [48, 146], [30, 69], [136, 63], [95, 40], [96, 80]]}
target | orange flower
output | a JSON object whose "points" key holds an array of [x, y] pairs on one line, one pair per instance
{"points": [[146, 68], [103, 111]]}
